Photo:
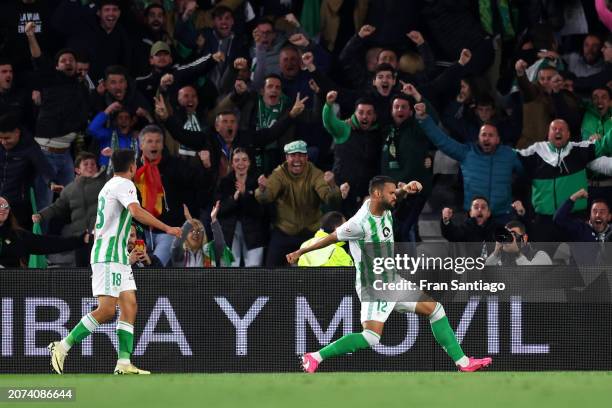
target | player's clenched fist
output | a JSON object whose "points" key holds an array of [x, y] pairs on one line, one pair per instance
{"points": [[520, 67], [262, 181], [331, 97], [176, 231], [413, 187], [420, 111], [329, 178], [293, 257], [447, 214]]}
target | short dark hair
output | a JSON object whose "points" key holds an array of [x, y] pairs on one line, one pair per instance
{"points": [[64, 51], [378, 183], [219, 11], [331, 221], [226, 112], [516, 224], [386, 49], [408, 98], [115, 70], [264, 20], [384, 67], [4, 60], [603, 88], [9, 122], [600, 201], [485, 100], [479, 197], [122, 159], [82, 156], [102, 3], [289, 47], [273, 75], [82, 57], [365, 101], [152, 6]]}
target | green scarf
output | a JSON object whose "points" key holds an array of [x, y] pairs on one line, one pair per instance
{"points": [[268, 115], [486, 17]]}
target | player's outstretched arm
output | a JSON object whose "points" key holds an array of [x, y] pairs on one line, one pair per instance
{"points": [[143, 216], [328, 240]]}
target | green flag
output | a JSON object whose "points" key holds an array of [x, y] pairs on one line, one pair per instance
{"points": [[36, 261]]}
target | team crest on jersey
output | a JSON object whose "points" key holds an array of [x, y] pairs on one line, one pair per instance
{"points": [[386, 232]]}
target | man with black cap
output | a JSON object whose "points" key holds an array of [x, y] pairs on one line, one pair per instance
{"points": [[166, 76], [297, 188]]}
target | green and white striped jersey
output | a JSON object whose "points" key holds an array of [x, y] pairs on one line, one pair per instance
{"points": [[113, 221], [369, 237]]}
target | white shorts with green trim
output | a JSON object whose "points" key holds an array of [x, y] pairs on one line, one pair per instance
{"points": [[379, 311], [111, 278]]}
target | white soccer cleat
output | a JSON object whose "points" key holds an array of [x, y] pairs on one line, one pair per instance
{"points": [[58, 355], [126, 369]]}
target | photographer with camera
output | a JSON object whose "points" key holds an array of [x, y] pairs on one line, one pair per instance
{"points": [[512, 248]]}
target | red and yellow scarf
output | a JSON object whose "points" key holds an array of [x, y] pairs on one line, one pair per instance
{"points": [[149, 183]]}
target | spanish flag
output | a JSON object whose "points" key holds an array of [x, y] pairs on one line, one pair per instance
{"points": [[148, 181]]}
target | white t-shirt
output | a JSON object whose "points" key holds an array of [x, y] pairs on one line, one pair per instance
{"points": [[113, 221]]}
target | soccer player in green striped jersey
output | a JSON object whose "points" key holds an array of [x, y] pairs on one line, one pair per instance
{"points": [[112, 279], [373, 225]]}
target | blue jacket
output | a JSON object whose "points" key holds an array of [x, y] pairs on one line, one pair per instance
{"points": [[484, 174], [103, 134]]}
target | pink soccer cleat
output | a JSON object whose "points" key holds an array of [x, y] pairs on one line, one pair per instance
{"points": [[476, 364], [309, 364]]}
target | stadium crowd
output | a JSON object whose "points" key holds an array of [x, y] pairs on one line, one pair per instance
{"points": [[257, 124]]}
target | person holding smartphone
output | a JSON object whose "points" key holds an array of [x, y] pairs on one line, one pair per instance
{"points": [[139, 256]]}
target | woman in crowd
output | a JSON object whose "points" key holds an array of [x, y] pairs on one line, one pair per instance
{"points": [[243, 219], [193, 250], [16, 244]]}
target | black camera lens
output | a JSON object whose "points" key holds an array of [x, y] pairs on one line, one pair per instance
{"points": [[503, 235]]}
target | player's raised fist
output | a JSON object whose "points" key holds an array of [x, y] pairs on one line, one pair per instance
{"points": [[329, 178], [175, 231], [416, 37], [308, 61], [345, 188], [447, 214], [520, 67], [293, 257], [366, 31], [413, 187], [465, 57], [420, 111], [30, 28], [240, 64], [262, 181], [331, 97], [582, 193]]}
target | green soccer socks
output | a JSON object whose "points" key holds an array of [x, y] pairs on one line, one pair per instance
{"points": [[348, 344], [445, 336], [85, 327], [125, 332]]}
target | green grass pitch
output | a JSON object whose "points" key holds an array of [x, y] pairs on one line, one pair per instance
{"points": [[337, 390]]}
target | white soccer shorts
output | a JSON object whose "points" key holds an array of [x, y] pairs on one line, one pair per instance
{"points": [[111, 278]]}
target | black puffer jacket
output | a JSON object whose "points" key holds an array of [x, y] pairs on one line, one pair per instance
{"points": [[64, 107], [19, 166], [17, 245], [246, 209]]}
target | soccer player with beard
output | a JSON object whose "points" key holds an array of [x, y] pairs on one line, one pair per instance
{"points": [[373, 225], [112, 280]]}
